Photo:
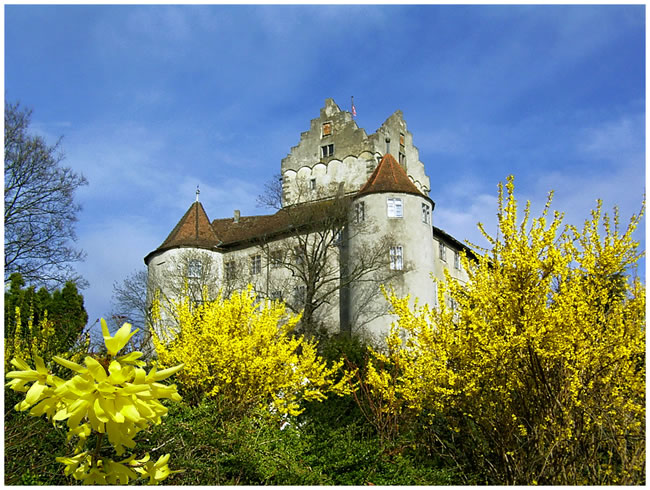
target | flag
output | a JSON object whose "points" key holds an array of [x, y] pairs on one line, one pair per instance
{"points": [[354, 109]]}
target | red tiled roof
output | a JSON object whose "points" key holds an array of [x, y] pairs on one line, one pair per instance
{"points": [[193, 230], [389, 176], [285, 221]]}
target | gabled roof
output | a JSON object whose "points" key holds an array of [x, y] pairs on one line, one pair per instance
{"points": [[193, 230], [389, 176], [299, 217]]}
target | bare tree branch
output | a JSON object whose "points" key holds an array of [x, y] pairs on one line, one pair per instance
{"points": [[40, 212], [319, 271]]}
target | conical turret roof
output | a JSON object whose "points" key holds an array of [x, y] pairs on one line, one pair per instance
{"points": [[193, 230], [389, 176]]}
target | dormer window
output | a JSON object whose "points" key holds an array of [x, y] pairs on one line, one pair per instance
{"points": [[326, 129], [327, 150]]}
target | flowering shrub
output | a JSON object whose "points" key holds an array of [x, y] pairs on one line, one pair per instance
{"points": [[241, 350], [25, 345], [538, 370], [37, 340], [109, 396]]}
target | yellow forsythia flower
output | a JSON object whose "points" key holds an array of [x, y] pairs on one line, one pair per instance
{"points": [[545, 348], [243, 350], [112, 396]]}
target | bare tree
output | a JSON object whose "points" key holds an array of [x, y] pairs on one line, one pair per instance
{"points": [[191, 273], [40, 212], [129, 300], [320, 267]]}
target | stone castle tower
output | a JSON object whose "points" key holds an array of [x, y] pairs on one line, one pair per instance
{"points": [[336, 154], [383, 236]]}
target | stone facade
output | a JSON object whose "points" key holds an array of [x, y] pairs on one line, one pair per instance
{"points": [[335, 152], [378, 186]]}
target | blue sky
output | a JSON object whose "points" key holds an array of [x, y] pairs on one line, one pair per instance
{"points": [[155, 100]]}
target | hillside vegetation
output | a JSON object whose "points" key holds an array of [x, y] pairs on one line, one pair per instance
{"points": [[531, 373]]}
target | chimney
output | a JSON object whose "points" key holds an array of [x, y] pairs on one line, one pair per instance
{"points": [[236, 218]]}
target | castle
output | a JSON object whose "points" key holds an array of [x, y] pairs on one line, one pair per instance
{"points": [[354, 213]]}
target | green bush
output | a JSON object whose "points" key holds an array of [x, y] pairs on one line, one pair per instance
{"points": [[330, 443], [31, 444], [215, 448]]}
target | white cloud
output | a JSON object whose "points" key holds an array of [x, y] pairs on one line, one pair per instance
{"points": [[116, 247], [443, 140], [460, 207], [619, 141], [219, 197]]}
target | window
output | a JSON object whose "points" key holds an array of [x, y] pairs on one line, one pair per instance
{"points": [[443, 252], [312, 184], [300, 294], [394, 207], [360, 212], [256, 264], [457, 260], [396, 262], [401, 141], [276, 295], [298, 255], [402, 159], [194, 268], [231, 271], [435, 294], [327, 150], [426, 213], [327, 129], [276, 259], [453, 304]]}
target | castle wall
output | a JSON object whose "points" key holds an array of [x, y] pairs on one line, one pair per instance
{"points": [[416, 257], [256, 265], [177, 271], [335, 155]]}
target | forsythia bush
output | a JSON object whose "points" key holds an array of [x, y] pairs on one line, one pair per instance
{"points": [[109, 396], [34, 342], [37, 340], [241, 350], [43, 323], [538, 368]]}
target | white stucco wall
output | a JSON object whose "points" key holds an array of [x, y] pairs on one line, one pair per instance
{"points": [[415, 238]]}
